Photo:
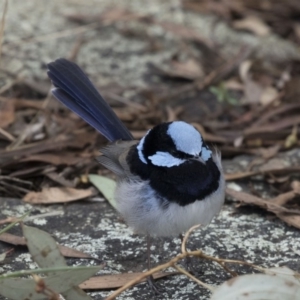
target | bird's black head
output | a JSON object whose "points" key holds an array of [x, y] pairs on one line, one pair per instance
{"points": [[177, 163], [172, 144]]}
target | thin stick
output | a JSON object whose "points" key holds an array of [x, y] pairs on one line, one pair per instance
{"points": [[186, 236], [185, 272], [2, 25]]}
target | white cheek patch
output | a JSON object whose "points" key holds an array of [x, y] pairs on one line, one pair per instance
{"points": [[140, 148], [206, 154], [185, 137], [165, 159]]}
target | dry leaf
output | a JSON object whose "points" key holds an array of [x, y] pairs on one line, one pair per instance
{"points": [[271, 164], [61, 158], [292, 220], [253, 24], [7, 112], [58, 195], [253, 92], [290, 216], [266, 204], [278, 283], [116, 280], [189, 69], [64, 250], [281, 170], [269, 94]]}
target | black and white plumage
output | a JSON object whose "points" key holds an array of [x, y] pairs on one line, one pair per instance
{"points": [[168, 181]]}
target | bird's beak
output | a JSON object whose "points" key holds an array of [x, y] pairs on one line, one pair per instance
{"points": [[200, 159]]}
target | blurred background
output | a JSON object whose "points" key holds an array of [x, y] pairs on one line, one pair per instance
{"points": [[229, 67]]}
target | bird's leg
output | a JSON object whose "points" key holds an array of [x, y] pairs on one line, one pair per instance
{"points": [[151, 282]]}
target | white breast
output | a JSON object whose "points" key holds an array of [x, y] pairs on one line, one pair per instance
{"points": [[138, 204]]}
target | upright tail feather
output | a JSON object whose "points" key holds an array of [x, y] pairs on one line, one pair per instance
{"points": [[74, 89]]}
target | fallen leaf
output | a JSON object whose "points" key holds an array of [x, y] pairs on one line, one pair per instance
{"points": [[58, 195], [266, 204], [273, 163], [284, 198], [75, 140], [76, 293], [61, 180], [60, 281], [281, 283], [43, 248], [7, 112], [64, 250], [2, 257], [290, 216], [253, 24], [269, 94], [106, 186], [54, 159], [189, 69], [116, 280], [281, 170], [292, 220]]}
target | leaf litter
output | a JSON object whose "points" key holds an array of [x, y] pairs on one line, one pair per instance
{"points": [[252, 108]]}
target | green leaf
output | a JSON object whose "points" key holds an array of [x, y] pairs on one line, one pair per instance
{"points": [[106, 186], [61, 281], [43, 248], [76, 294]]}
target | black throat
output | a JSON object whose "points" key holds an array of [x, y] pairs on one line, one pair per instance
{"points": [[184, 184]]}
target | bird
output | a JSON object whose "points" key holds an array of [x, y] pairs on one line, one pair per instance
{"points": [[168, 181]]}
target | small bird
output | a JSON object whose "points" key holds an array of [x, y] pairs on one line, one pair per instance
{"points": [[168, 181]]}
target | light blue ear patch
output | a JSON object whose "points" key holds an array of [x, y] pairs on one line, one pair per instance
{"points": [[165, 159], [140, 148], [206, 154], [185, 137]]}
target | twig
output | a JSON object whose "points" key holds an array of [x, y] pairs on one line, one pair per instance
{"points": [[186, 236], [6, 134], [2, 25], [173, 261], [185, 272]]}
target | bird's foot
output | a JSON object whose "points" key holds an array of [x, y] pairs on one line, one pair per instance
{"points": [[153, 285]]}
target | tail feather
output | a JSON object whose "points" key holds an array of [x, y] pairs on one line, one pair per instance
{"points": [[74, 89]]}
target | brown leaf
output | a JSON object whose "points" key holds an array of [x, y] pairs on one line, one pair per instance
{"points": [[189, 70], [293, 220], [7, 112], [269, 94], [116, 280], [284, 198], [76, 140], [274, 126], [266, 204], [64, 250], [253, 24], [59, 178], [54, 159], [280, 171], [184, 32], [271, 164], [58, 195]]}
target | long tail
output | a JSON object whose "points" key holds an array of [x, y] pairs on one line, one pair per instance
{"points": [[74, 89]]}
